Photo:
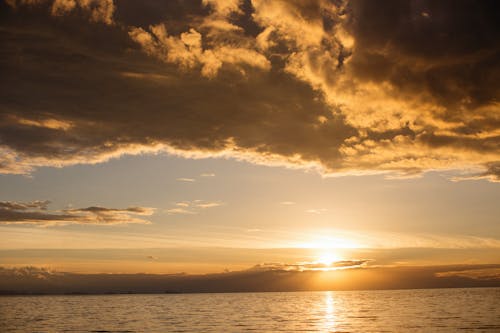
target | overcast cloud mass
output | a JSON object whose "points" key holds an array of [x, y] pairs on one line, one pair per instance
{"points": [[360, 87]]}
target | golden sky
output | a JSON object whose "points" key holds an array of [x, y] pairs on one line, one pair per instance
{"points": [[215, 135]]}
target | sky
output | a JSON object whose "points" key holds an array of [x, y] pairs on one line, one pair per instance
{"points": [[218, 136]]}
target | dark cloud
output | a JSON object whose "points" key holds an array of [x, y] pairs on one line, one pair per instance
{"points": [[103, 210], [445, 51], [176, 13], [38, 280], [356, 87], [478, 274], [37, 204], [36, 213], [100, 11]]}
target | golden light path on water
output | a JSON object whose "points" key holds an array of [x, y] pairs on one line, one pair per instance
{"points": [[329, 317]]}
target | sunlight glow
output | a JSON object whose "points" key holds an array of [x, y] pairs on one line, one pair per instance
{"points": [[330, 243], [328, 258]]}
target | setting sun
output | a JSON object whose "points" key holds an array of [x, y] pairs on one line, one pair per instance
{"points": [[328, 258]]}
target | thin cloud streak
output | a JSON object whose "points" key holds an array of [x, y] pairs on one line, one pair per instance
{"points": [[311, 266], [316, 211], [182, 211], [193, 207], [36, 213], [188, 180]]}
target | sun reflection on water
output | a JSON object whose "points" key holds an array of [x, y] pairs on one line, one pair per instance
{"points": [[329, 321]]}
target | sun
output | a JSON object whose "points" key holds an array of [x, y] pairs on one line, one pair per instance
{"points": [[328, 257], [326, 251]]}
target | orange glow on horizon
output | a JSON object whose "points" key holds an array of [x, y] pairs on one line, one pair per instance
{"points": [[327, 242]]}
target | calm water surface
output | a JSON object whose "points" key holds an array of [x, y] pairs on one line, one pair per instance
{"points": [[438, 310]]}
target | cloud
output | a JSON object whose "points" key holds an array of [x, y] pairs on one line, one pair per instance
{"points": [[310, 266], [477, 274], [316, 211], [193, 207], [346, 88], [492, 173], [208, 204], [186, 51], [287, 203], [26, 280], [180, 211], [22, 206], [41, 273], [188, 180], [96, 10], [207, 174], [36, 213]]}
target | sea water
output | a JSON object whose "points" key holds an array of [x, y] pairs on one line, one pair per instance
{"points": [[426, 310]]}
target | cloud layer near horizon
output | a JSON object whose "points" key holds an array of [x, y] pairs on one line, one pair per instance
{"points": [[36, 213], [41, 280], [350, 88]]}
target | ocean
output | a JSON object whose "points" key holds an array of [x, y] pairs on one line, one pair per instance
{"points": [[422, 310]]}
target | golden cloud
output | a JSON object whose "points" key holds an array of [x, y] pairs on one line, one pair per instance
{"points": [[347, 88]]}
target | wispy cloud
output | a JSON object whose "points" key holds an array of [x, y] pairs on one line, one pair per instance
{"points": [[36, 213], [492, 173], [23, 206], [182, 211], [477, 274], [311, 266], [287, 203], [207, 175], [193, 207], [316, 210], [208, 204], [188, 180]]}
